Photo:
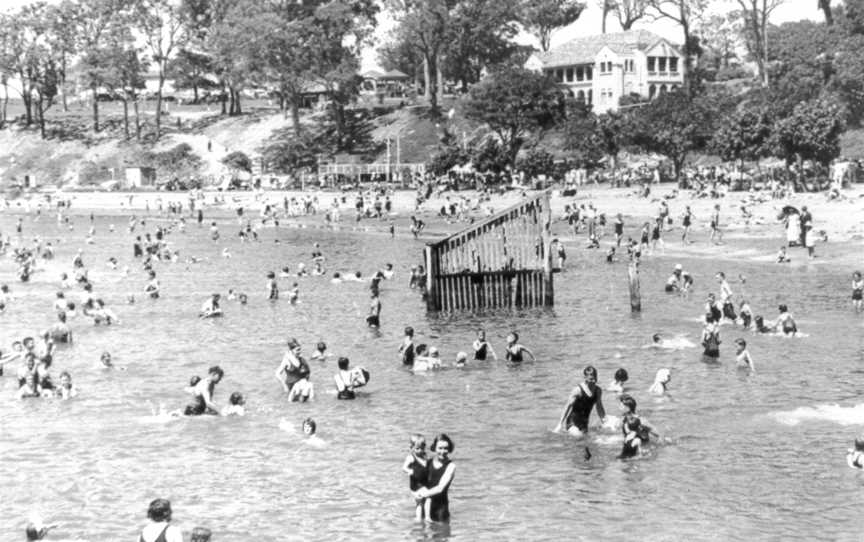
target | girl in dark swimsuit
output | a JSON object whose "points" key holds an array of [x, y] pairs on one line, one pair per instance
{"points": [[482, 349], [515, 351]]}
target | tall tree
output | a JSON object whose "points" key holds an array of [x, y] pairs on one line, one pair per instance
{"points": [[628, 11], [745, 135], [63, 19], [95, 20], [161, 24], [542, 17], [825, 6], [720, 39], [515, 103], [686, 14], [811, 132], [755, 15]]}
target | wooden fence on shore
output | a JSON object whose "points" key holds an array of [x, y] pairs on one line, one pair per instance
{"points": [[503, 261]]}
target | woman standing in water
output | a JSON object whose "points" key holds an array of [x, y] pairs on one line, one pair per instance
{"points": [[857, 291], [160, 530], [441, 471]]}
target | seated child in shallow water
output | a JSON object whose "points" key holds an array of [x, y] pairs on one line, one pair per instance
{"points": [[661, 381], [855, 456], [320, 352], [617, 385], [415, 466], [236, 405], [302, 391]]}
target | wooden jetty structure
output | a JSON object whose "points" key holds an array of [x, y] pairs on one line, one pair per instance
{"points": [[504, 261]]}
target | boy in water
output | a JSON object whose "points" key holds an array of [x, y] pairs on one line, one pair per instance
{"points": [[416, 467], [374, 317], [272, 287], [742, 356], [406, 349]]}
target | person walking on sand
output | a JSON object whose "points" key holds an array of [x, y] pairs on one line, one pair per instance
{"points": [[716, 232]]}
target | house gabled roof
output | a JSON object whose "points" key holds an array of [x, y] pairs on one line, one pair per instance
{"points": [[584, 50]]}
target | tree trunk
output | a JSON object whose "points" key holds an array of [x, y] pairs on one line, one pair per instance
{"points": [[825, 6], [605, 14], [223, 98], [238, 109], [159, 101], [137, 120], [439, 80], [195, 93], [427, 80], [126, 117], [95, 111], [41, 120], [5, 102], [230, 102], [63, 83], [295, 115]]}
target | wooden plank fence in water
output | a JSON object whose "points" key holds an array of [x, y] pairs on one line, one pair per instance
{"points": [[503, 261]]}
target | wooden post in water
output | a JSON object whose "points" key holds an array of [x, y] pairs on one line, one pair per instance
{"points": [[633, 282]]}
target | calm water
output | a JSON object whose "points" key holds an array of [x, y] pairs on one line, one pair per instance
{"points": [[734, 467]]}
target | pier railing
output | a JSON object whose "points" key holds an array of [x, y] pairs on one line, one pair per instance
{"points": [[503, 261]]}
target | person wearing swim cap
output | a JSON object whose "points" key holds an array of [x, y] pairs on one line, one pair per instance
{"points": [[585, 397]]}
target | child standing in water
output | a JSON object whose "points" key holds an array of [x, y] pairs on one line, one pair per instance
{"points": [[515, 351], [272, 287], [482, 349], [742, 356], [416, 467], [857, 291], [711, 339], [406, 349]]}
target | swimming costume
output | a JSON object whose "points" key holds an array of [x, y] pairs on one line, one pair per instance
{"points": [[857, 294], [514, 355], [372, 320], [629, 449], [712, 345], [580, 410], [160, 538], [480, 353], [408, 354], [419, 475], [439, 505]]}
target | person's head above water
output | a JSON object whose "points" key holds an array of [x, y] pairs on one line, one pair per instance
{"points": [[342, 363], [321, 346], [783, 308], [409, 331], [309, 427], [201, 534], [513, 337], [159, 510], [590, 373], [656, 338], [621, 375], [628, 402], [663, 376], [237, 399]]}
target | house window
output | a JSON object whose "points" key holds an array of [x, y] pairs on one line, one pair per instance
{"points": [[652, 63], [580, 96], [559, 76], [602, 67], [609, 66], [662, 89], [589, 73], [590, 96], [652, 91], [569, 75], [580, 74], [662, 64], [673, 64]]}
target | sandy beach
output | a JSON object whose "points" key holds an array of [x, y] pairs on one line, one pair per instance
{"points": [[842, 220]]}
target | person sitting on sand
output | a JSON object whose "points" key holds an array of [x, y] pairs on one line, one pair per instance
{"points": [[782, 257]]}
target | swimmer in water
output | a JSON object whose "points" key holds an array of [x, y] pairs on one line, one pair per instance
{"points": [[211, 308], [482, 348], [373, 319], [742, 356], [585, 397], [406, 349], [711, 338], [203, 393], [745, 314], [337, 278], [152, 288], [272, 286], [785, 322], [320, 352], [106, 362], [461, 360], [661, 382], [855, 456], [416, 467], [857, 291], [515, 352], [617, 385], [636, 432], [294, 293], [66, 390], [236, 405]]}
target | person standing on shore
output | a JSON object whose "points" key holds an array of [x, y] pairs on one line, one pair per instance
{"points": [[687, 222], [857, 291], [716, 232]]}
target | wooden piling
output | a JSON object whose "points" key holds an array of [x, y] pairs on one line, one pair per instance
{"points": [[633, 283]]}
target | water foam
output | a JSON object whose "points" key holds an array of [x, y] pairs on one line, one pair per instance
{"points": [[853, 415]]}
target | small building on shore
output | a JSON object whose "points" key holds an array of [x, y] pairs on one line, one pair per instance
{"points": [[138, 176], [600, 70]]}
